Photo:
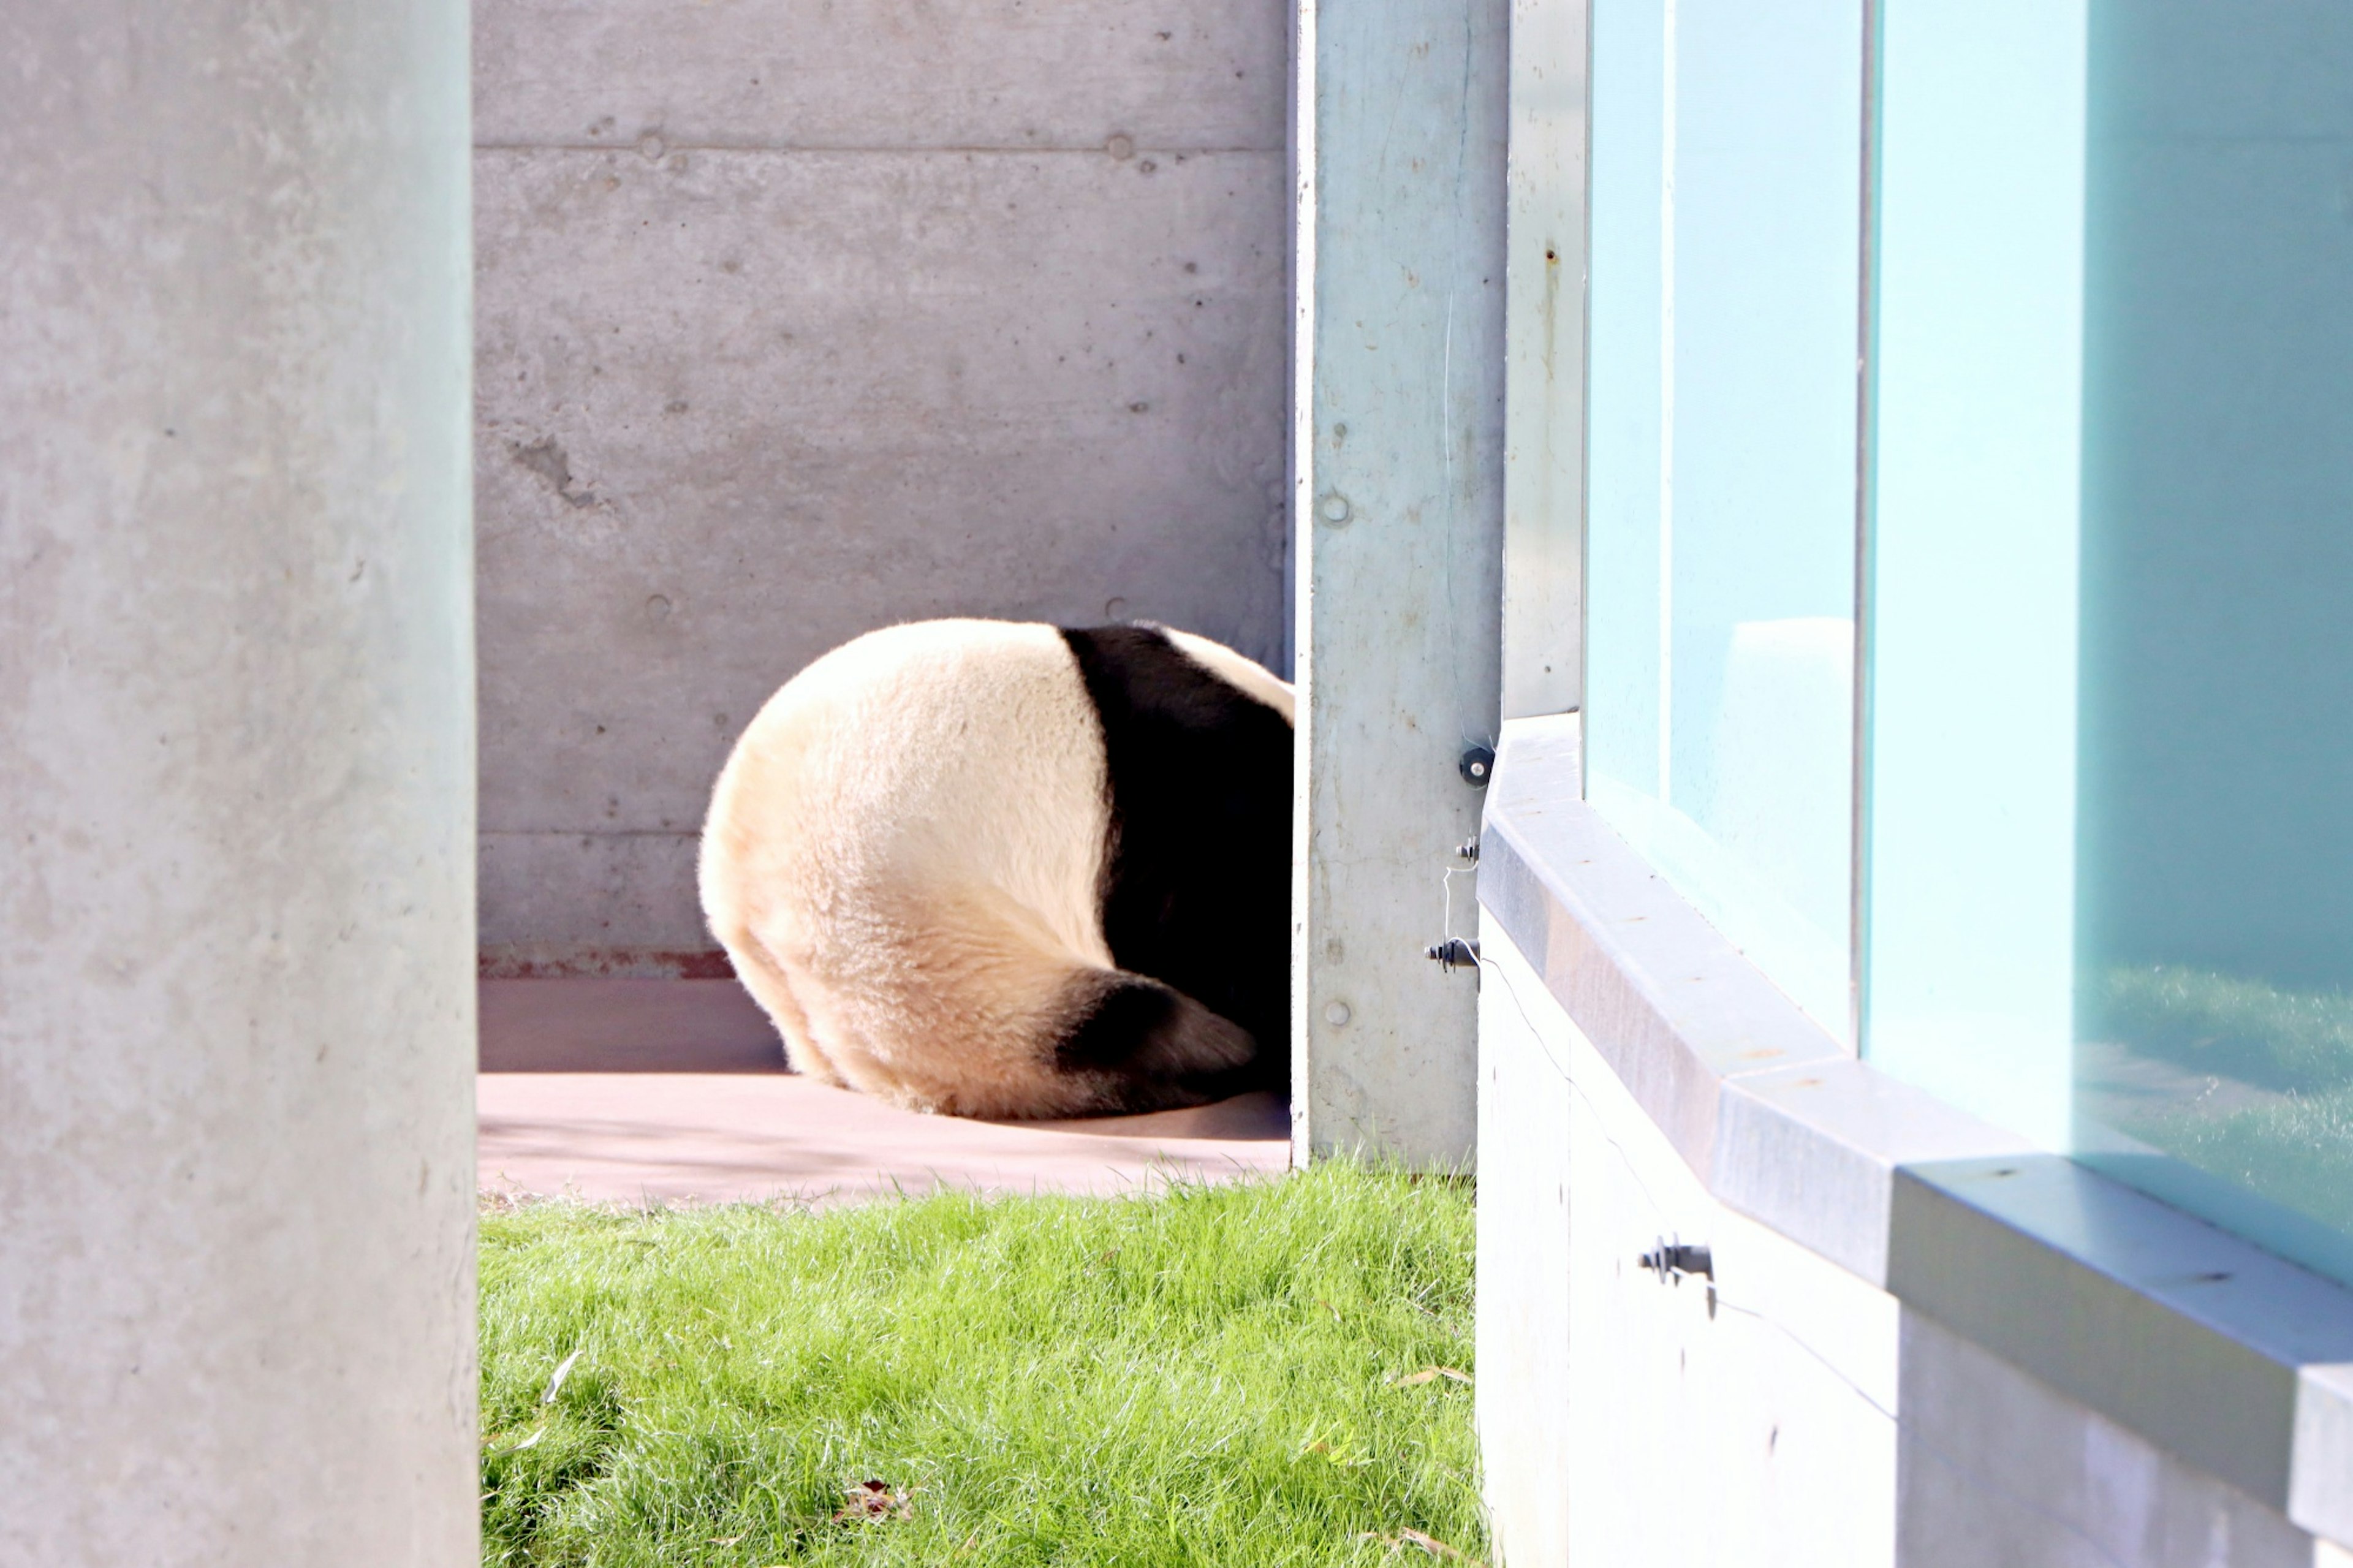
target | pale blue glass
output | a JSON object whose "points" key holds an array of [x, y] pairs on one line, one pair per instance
{"points": [[2109, 879], [1726, 301], [1622, 405], [1975, 356], [2215, 858]]}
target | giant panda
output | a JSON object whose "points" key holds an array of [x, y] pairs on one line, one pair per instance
{"points": [[1004, 869]]}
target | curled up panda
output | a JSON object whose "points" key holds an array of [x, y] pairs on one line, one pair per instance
{"points": [[996, 869]]}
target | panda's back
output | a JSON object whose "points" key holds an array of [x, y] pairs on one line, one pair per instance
{"points": [[906, 764]]}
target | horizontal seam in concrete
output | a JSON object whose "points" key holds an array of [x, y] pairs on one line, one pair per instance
{"points": [[589, 832], [1091, 150], [1974, 1229]]}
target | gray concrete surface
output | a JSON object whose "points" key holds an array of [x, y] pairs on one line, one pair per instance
{"points": [[797, 321], [1786, 1412], [237, 771], [625, 1025], [1400, 459]]}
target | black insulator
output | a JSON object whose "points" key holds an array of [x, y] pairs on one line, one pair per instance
{"points": [[1455, 954], [1673, 1259]]}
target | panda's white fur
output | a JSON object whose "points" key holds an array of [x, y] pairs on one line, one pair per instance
{"points": [[905, 859]]}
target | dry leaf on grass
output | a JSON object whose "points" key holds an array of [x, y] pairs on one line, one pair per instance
{"points": [[1405, 1538], [1428, 1374], [870, 1500], [1429, 1544]]}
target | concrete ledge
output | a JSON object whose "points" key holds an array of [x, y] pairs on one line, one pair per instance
{"points": [[2232, 1359], [1770, 1111], [2172, 1327]]}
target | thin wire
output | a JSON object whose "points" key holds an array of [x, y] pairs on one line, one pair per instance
{"points": [[1446, 884], [1659, 1212]]}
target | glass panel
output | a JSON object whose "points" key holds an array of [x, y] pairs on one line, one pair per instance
{"points": [[1970, 706], [1622, 494], [2109, 892], [2215, 861], [1725, 304]]}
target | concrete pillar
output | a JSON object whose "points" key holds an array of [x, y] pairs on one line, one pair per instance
{"points": [[1398, 461], [236, 779]]}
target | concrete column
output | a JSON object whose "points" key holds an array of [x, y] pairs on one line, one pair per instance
{"points": [[1400, 469], [236, 780]]}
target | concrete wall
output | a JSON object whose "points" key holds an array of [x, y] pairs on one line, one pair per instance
{"points": [[795, 320], [1795, 1415], [237, 771]]}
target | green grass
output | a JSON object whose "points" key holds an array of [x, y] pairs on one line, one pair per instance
{"points": [[1209, 1376], [2244, 1029], [2297, 1153]]}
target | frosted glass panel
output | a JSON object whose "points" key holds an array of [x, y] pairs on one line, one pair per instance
{"points": [[1623, 400], [2215, 858], [1722, 502], [1976, 352], [2109, 704]]}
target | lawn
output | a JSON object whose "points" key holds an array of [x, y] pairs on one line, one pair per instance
{"points": [[2297, 1151], [1259, 1374]]}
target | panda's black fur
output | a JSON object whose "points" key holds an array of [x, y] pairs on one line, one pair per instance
{"points": [[1197, 877], [996, 869]]}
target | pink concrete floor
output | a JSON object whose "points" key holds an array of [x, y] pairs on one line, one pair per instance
{"points": [[675, 1091]]}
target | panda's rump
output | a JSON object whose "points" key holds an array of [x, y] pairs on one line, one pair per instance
{"points": [[912, 855], [911, 834]]}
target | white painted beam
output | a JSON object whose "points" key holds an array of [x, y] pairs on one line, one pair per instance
{"points": [[1400, 489]]}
